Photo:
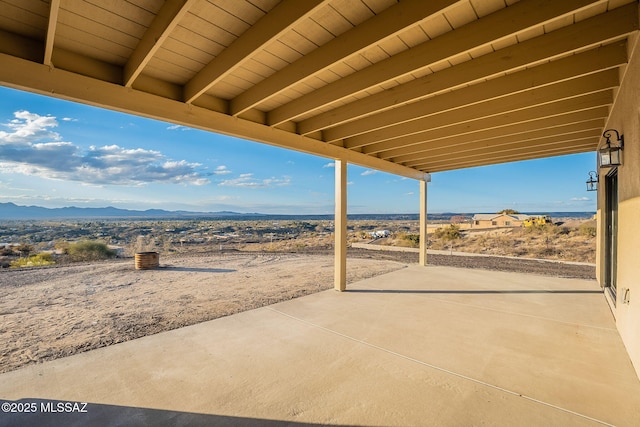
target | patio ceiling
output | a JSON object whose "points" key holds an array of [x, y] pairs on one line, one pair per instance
{"points": [[406, 87]]}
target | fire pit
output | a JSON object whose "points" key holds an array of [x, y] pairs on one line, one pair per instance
{"points": [[147, 260]]}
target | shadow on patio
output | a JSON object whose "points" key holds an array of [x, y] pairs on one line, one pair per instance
{"points": [[419, 346]]}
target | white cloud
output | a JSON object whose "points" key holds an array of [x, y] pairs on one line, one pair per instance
{"points": [[69, 119], [221, 170], [177, 127], [580, 199], [410, 193], [246, 180], [32, 148], [330, 165], [368, 172]]}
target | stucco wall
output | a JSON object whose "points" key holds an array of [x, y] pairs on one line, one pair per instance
{"points": [[625, 117]]}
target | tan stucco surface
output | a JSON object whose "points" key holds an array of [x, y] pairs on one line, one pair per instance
{"points": [[420, 346], [625, 118]]}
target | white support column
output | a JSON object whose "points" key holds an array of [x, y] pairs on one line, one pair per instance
{"points": [[423, 219], [340, 220]]}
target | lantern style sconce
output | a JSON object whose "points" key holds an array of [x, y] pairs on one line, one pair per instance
{"points": [[592, 183], [611, 153]]}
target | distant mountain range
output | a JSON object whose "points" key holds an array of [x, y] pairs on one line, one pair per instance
{"points": [[11, 211], [15, 212]]}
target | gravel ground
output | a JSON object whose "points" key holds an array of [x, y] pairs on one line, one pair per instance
{"points": [[520, 265]]}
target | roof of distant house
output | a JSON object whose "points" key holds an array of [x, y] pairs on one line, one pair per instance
{"points": [[491, 217]]}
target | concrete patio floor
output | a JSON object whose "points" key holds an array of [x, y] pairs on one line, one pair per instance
{"points": [[419, 346]]}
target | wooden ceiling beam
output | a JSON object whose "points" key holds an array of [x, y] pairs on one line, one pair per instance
{"points": [[603, 80], [583, 146], [162, 25], [561, 70], [54, 8], [453, 145], [502, 23], [35, 77], [271, 26], [458, 135], [379, 27], [500, 146], [600, 29], [592, 105]]}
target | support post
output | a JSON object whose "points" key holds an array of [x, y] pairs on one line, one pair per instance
{"points": [[340, 220], [423, 219]]}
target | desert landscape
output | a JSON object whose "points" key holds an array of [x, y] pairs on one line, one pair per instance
{"points": [[69, 307]]}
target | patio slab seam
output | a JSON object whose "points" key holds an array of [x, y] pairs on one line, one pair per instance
{"points": [[420, 294], [438, 368]]}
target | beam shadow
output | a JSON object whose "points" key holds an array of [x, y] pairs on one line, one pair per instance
{"points": [[54, 413], [448, 291]]}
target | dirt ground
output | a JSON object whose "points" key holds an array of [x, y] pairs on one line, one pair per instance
{"points": [[53, 312]]}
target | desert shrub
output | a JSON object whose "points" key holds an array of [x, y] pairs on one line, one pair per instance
{"points": [[25, 249], [90, 251], [410, 240], [587, 229], [451, 232], [38, 260]]}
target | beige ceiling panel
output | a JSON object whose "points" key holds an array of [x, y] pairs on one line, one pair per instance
{"points": [[313, 31], [532, 114], [562, 70], [297, 42], [460, 14], [129, 19], [357, 76], [413, 37], [536, 137], [173, 46], [357, 62], [378, 6], [562, 42], [374, 54], [172, 73], [282, 51], [206, 45], [29, 18], [269, 60], [332, 21], [392, 45], [258, 67], [207, 30], [242, 9], [220, 18], [584, 147], [486, 7], [435, 26], [507, 134], [356, 13]]}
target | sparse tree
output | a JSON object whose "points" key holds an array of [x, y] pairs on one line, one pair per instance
{"points": [[509, 212]]}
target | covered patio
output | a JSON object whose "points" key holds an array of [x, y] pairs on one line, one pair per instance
{"points": [[419, 346], [411, 88]]}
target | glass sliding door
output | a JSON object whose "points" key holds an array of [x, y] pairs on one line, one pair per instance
{"points": [[611, 229]]}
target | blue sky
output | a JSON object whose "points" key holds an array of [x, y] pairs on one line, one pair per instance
{"points": [[56, 153]]}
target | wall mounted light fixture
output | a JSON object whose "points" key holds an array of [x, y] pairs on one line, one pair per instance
{"points": [[592, 182], [611, 153]]}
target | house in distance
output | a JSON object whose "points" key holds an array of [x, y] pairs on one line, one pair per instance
{"points": [[498, 220]]}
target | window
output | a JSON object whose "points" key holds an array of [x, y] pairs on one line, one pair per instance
{"points": [[494, 222]]}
